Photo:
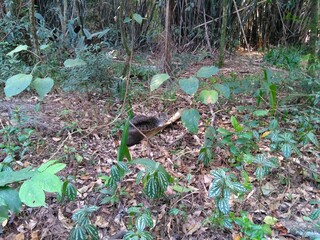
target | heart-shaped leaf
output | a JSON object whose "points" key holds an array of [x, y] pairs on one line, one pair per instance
{"points": [[43, 86], [157, 80], [206, 72], [190, 119], [208, 96], [189, 85], [223, 89], [137, 17], [16, 84]]}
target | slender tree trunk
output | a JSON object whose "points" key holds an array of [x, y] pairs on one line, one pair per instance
{"points": [[33, 29], [167, 41], [314, 15], [223, 31]]}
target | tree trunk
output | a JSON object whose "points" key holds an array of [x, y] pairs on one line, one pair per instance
{"points": [[167, 41], [223, 31], [314, 17], [33, 29]]}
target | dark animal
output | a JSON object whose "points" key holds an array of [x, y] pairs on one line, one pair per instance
{"points": [[144, 126]]}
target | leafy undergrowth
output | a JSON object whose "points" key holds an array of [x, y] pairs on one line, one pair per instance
{"points": [[85, 135]]}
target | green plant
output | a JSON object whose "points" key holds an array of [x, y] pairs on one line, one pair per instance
{"points": [[21, 81], [178, 212], [269, 88], [68, 191], [32, 190], [82, 227], [222, 187], [143, 220], [113, 189], [315, 215], [240, 142], [16, 141], [155, 178], [206, 153], [218, 219], [285, 142], [264, 165], [250, 230], [288, 58]]}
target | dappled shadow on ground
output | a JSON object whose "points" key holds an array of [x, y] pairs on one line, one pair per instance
{"points": [[85, 135]]}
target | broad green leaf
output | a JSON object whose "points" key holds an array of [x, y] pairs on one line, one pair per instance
{"points": [[313, 138], [286, 150], [74, 63], [17, 49], [235, 124], [77, 233], [92, 231], [127, 20], [45, 165], [315, 214], [190, 119], [11, 198], [4, 214], [147, 219], [123, 149], [16, 84], [162, 180], [261, 113], [206, 72], [223, 205], [189, 85], [215, 191], [140, 224], [224, 132], [223, 89], [53, 169], [151, 188], [174, 211], [151, 164], [48, 182], [43, 86], [115, 173], [32, 194], [238, 187], [209, 96], [181, 189], [17, 176], [137, 18], [259, 173], [157, 80], [71, 192], [273, 98], [273, 124]]}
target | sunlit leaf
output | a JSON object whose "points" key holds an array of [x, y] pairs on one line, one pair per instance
{"points": [[137, 18], [16, 84], [189, 85], [74, 63], [43, 86], [208, 96], [223, 89], [157, 80], [261, 113], [206, 72], [17, 49], [190, 119]]}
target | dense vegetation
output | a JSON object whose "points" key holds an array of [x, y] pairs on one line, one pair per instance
{"points": [[242, 161]]}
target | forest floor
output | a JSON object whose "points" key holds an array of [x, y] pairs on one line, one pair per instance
{"points": [[84, 134]]}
